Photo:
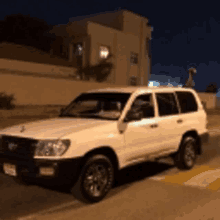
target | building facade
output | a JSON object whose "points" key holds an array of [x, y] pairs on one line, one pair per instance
{"points": [[121, 38]]}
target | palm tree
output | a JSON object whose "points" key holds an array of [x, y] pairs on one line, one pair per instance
{"points": [[190, 83]]}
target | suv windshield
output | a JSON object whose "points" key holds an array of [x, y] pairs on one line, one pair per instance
{"points": [[97, 105]]}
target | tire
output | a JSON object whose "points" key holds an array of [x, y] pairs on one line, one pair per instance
{"points": [[186, 156], [97, 173]]}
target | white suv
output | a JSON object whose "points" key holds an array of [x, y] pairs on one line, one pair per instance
{"points": [[103, 131]]}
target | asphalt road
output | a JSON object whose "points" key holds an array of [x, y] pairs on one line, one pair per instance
{"points": [[147, 191]]}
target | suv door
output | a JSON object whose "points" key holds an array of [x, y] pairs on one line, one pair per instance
{"points": [[192, 117], [141, 135], [169, 123]]}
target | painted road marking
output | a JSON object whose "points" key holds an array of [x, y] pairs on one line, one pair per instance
{"points": [[55, 208], [203, 177], [182, 177], [215, 185]]}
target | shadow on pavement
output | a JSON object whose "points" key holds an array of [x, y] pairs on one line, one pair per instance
{"points": [[140, 172], [124, 178]]}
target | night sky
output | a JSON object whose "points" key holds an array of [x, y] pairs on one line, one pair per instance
{"points": [[185, 32]]}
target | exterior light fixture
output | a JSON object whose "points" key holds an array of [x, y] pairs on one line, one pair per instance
{"points": [[103, 52]]}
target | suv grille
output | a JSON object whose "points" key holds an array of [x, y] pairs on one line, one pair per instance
{"points": [[17, 146]]}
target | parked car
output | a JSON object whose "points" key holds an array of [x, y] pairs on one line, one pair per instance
{"points": [[102, 131]]}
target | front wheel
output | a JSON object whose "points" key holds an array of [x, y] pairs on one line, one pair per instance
{"points": [[186, 156], [95, 180]]}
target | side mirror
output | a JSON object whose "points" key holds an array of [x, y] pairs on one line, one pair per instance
{"points": [[133, 116]]}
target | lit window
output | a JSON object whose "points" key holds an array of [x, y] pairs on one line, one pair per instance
{"points": [[103, 52], [134, 58], [78, 49]]}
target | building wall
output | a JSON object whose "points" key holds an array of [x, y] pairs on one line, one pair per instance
{"points": [[37, 90], [218, 102], [127, 32], [127, 43], [138, 26], [113, 19], [120, 46], [132, 23], [102, 36], [31, 67], [209, 99]]}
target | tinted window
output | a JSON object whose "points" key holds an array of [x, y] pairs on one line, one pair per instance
{"points": [[167, 104], [187, 102], [145, 104]]}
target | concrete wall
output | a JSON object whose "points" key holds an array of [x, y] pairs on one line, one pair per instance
{"points": [[217, 101], [32, 67], [36, 90], [209, 99]]}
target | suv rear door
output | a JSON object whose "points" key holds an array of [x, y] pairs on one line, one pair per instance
{"points": [[169, 122], [192, 115]]}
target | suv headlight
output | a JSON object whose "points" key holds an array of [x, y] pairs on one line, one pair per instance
{"points": [[51, 147]]}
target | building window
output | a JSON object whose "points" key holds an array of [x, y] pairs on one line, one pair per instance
{"points": [[103, 52], [78, 50], [134, 58], [133, 80]]}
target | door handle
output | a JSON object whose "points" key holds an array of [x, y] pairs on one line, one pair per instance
{"points": [[154, 126], [179, 121]]}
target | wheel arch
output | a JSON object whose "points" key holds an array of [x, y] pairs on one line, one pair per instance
{"points": [[194, 134], [104, 150]]}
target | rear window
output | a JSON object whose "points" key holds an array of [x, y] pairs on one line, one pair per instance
{"points": [[187, 102]]}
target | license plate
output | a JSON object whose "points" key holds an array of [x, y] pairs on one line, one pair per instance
{"points": [[9, 169]]}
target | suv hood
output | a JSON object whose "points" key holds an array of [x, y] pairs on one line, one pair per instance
{"points": [[52, 128]]}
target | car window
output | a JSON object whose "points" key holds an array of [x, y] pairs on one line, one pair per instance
{"points": [[167, 104], [187, 102], [145, 104], [97, 105]]}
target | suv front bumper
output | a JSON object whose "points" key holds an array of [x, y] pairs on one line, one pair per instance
{"points": [[63, 169]]}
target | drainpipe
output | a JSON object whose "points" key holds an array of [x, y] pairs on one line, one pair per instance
{"points": [[70, 52], [140, 52], [114, 58]]}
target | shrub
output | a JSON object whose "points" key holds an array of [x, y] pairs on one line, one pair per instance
{"points": [[6, 101]]}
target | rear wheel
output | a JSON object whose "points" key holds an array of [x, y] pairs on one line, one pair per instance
{"points": [[186, 156], [95, 180]]}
